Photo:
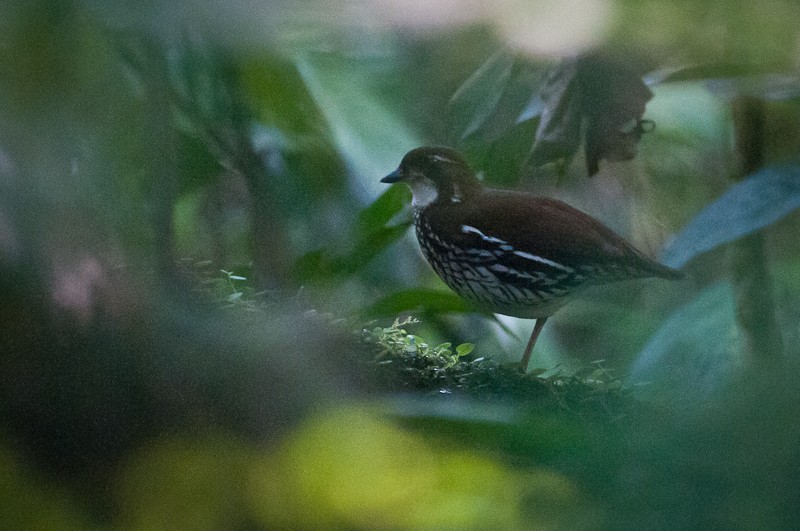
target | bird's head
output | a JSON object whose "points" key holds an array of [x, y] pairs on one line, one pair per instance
{"points": [[435, 174]]}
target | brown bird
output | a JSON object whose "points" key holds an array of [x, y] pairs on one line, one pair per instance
{"points": [[511, 253]]}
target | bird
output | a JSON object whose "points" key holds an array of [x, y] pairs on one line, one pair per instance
{"points": [[511, 252]]}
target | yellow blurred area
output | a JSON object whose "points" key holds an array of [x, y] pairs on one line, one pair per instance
{"points": [[27, 501], [185, 483], [351, 467], [348, 467]]}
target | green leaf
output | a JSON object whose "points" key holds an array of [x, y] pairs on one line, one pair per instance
{"points": [[705, 71], [772, 87], [383, 209], [488, 110], [477, 98], [748, 206], [234, 297], [280, 97], [322, 266], [465, 348], [412, 299], [370, 137], [696, 350], [729, 80], [370, 245], [314, 266]]}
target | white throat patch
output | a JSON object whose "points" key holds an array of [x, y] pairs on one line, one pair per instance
{"points": [[423, 192]]}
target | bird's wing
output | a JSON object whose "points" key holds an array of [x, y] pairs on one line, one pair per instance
{"points": [[543, 234]]}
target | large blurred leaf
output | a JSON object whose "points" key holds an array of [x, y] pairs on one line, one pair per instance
{"points": [[771, 87], [755, 203], [477, 98], [704, 72], [280, 96], [695, 351], [383, 209], [729, 80], [371, 137], [371, 235], [492, 113], [327, 266]]}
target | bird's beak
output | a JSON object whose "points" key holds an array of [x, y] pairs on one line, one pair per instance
{"points": [[393, 177]]}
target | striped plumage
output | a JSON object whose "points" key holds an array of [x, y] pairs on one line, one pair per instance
{"points": [[511, 253]]}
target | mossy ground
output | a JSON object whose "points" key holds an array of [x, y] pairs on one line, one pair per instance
{"points": [[403, 362]]}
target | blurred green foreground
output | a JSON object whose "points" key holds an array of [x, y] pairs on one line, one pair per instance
{"points": [[199, 269]]}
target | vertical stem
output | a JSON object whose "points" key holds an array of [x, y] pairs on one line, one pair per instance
{"points": [[268, 239], [752, 282]]}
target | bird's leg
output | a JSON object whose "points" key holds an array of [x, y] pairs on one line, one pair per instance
{"points": [[537, 329]]}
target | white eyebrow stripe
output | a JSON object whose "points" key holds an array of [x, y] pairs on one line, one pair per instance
{"points": [[466, 229], [545, 261], [441, 158]]}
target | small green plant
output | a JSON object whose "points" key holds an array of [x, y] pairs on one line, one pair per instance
{"points": [[236, 293], [406, 362], [231, 279], [396, 342]]}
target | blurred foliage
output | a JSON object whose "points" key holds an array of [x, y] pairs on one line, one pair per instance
{"points": [[593, 97], [753, 204], [192, 226], [196, 482], [396, 479], [695, 351]]}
